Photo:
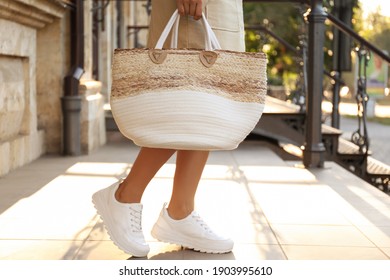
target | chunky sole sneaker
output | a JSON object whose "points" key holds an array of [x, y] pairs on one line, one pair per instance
{"points": [[122, 221], [191, 232]]}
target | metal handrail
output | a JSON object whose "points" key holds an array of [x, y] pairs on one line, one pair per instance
{"points": [[290, 47], [349, 31], [264, 29], [297, 51], [341, 26], [313, 138]]}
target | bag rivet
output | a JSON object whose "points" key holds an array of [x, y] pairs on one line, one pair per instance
{"points": [[157, 56], [208, 58]]}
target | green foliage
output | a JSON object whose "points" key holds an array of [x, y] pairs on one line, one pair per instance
{"points": [[286, 21], [376, 29]]}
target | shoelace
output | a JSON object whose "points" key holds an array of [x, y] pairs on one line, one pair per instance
{"points": [[201, 222], [135, 218]]}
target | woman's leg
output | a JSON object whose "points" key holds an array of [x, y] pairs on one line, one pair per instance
{"points": [[148, 162], [119, 207], [189, 168], [179, 223]]}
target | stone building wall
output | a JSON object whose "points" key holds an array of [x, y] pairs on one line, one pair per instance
{"points": [[21, 137], [35, 58], [52, 66], [93, 132]]}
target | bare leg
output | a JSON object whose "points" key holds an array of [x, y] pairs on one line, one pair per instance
{"points": [[176, 224], [148, 162], [189, 168]]}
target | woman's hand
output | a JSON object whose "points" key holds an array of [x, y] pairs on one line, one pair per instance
{"points": [[190, 8]]}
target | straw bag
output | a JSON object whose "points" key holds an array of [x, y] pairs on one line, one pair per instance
{"points": [[187, 99]]}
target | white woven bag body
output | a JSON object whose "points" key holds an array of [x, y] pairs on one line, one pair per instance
{"points": [[187, 99]]}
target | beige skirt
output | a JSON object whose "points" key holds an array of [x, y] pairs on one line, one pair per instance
{"points": [[224, 16]]}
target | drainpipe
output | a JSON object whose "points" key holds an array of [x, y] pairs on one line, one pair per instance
{"points": [[313, 154], [71, 101]]}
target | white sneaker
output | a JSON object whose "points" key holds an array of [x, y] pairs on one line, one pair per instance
{"points": [[191, 232], [122, 221]]}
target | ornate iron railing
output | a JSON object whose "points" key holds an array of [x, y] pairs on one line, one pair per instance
{"points": [[359, 160], [360, 136]]}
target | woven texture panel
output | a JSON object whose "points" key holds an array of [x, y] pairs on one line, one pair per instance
{"points": [[234, 75]]}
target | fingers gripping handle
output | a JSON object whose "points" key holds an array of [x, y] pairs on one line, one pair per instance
{"points": [[211, 41]]}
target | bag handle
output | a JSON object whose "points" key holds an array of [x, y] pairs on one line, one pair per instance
{"points": [[211, 41]]}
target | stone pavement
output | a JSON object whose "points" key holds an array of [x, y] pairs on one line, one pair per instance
{"points": [[273, 210]]}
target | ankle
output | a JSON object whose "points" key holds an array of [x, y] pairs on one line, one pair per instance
{"points": [[179, 212], [125, 195]]}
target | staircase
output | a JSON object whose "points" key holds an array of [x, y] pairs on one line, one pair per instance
{"points": [[348, 155], [284, 123]]}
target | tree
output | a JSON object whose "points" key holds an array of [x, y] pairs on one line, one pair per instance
{"points": [[377, 30], [286, 21]]}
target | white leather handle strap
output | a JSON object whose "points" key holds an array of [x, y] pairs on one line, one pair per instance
{"points": [[211, 42], [175, 33], [210, 37], [213, 37], [167, 29]]}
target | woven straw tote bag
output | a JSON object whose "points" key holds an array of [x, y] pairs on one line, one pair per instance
{"points": [[187, 99]]}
